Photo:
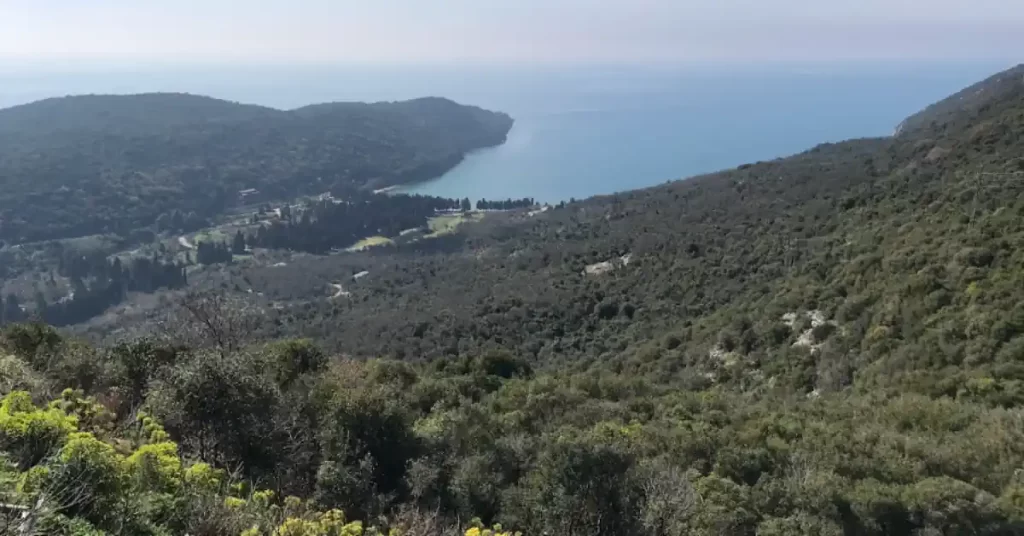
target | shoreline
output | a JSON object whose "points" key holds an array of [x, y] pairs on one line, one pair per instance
{"points": [[402, 187]]}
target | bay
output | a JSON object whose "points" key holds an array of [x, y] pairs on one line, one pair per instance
{"points": [[580, 130]]}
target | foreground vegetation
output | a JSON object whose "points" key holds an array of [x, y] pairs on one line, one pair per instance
{"points": [[95, 459], [418, 447], [828, 344]]}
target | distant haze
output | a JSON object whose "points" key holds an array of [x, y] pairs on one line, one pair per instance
{"points": [[317, 31]]}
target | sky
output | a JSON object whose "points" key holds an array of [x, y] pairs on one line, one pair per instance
{"points": [[532, 31]]}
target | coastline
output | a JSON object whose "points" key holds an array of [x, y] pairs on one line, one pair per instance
{"points": [[401, 186]]}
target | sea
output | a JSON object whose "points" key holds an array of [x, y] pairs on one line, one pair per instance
{"points": [[580, 130]]}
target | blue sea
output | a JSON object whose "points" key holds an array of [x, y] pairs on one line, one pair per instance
{"points": [[580, 130]]}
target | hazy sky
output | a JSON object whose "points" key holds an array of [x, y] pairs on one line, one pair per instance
{"points": [[508, 30]]}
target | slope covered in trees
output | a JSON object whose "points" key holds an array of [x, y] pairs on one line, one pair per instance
{"points": [[112, 164], [968, 101], [826, 344], [842, 229]]}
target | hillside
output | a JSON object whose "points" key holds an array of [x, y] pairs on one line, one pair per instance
{"points": [[789, 235], [120, 114], [825, 344], [83, 165], [965, 103]]}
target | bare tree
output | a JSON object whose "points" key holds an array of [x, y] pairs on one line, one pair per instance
{"points": [[411, 521], [12, 517], [669, 499], [57, 495], [210, 320]]}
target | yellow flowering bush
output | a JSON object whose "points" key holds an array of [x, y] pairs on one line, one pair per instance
{"points": [[330, 523], [91, 415], [156, 467], [477, 528], [202, 477], [151, 429], [28, 433]]}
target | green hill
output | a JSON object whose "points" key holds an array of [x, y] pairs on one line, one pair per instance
{"points": [[94, 164], [965, 103]]}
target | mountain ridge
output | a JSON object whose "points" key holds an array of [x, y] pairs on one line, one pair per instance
{"points": [[201, 107], [969, 99], [102, 111]]}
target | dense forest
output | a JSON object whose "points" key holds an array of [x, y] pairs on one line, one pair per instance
{"points": [[508, 204], [78, 285], [826, 344], [95, 284], [75, 285], [342, 221], [83, 165]]}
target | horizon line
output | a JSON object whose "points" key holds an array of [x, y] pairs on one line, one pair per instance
{"points": [[66, 65]]}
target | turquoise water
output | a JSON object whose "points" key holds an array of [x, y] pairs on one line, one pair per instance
{"points": [[600, 142], [582, 131]]}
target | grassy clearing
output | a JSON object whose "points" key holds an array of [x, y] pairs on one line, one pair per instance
{"points": [[90, 243], [440, 225], [370, 242], [212, 235]]}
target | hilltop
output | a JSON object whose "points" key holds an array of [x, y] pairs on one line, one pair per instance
{"points": [[90, 164], [121, 114], [965, 103]]}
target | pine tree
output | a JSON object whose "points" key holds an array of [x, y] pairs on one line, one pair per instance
{"points": [[238, 245], [12, 310]]}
